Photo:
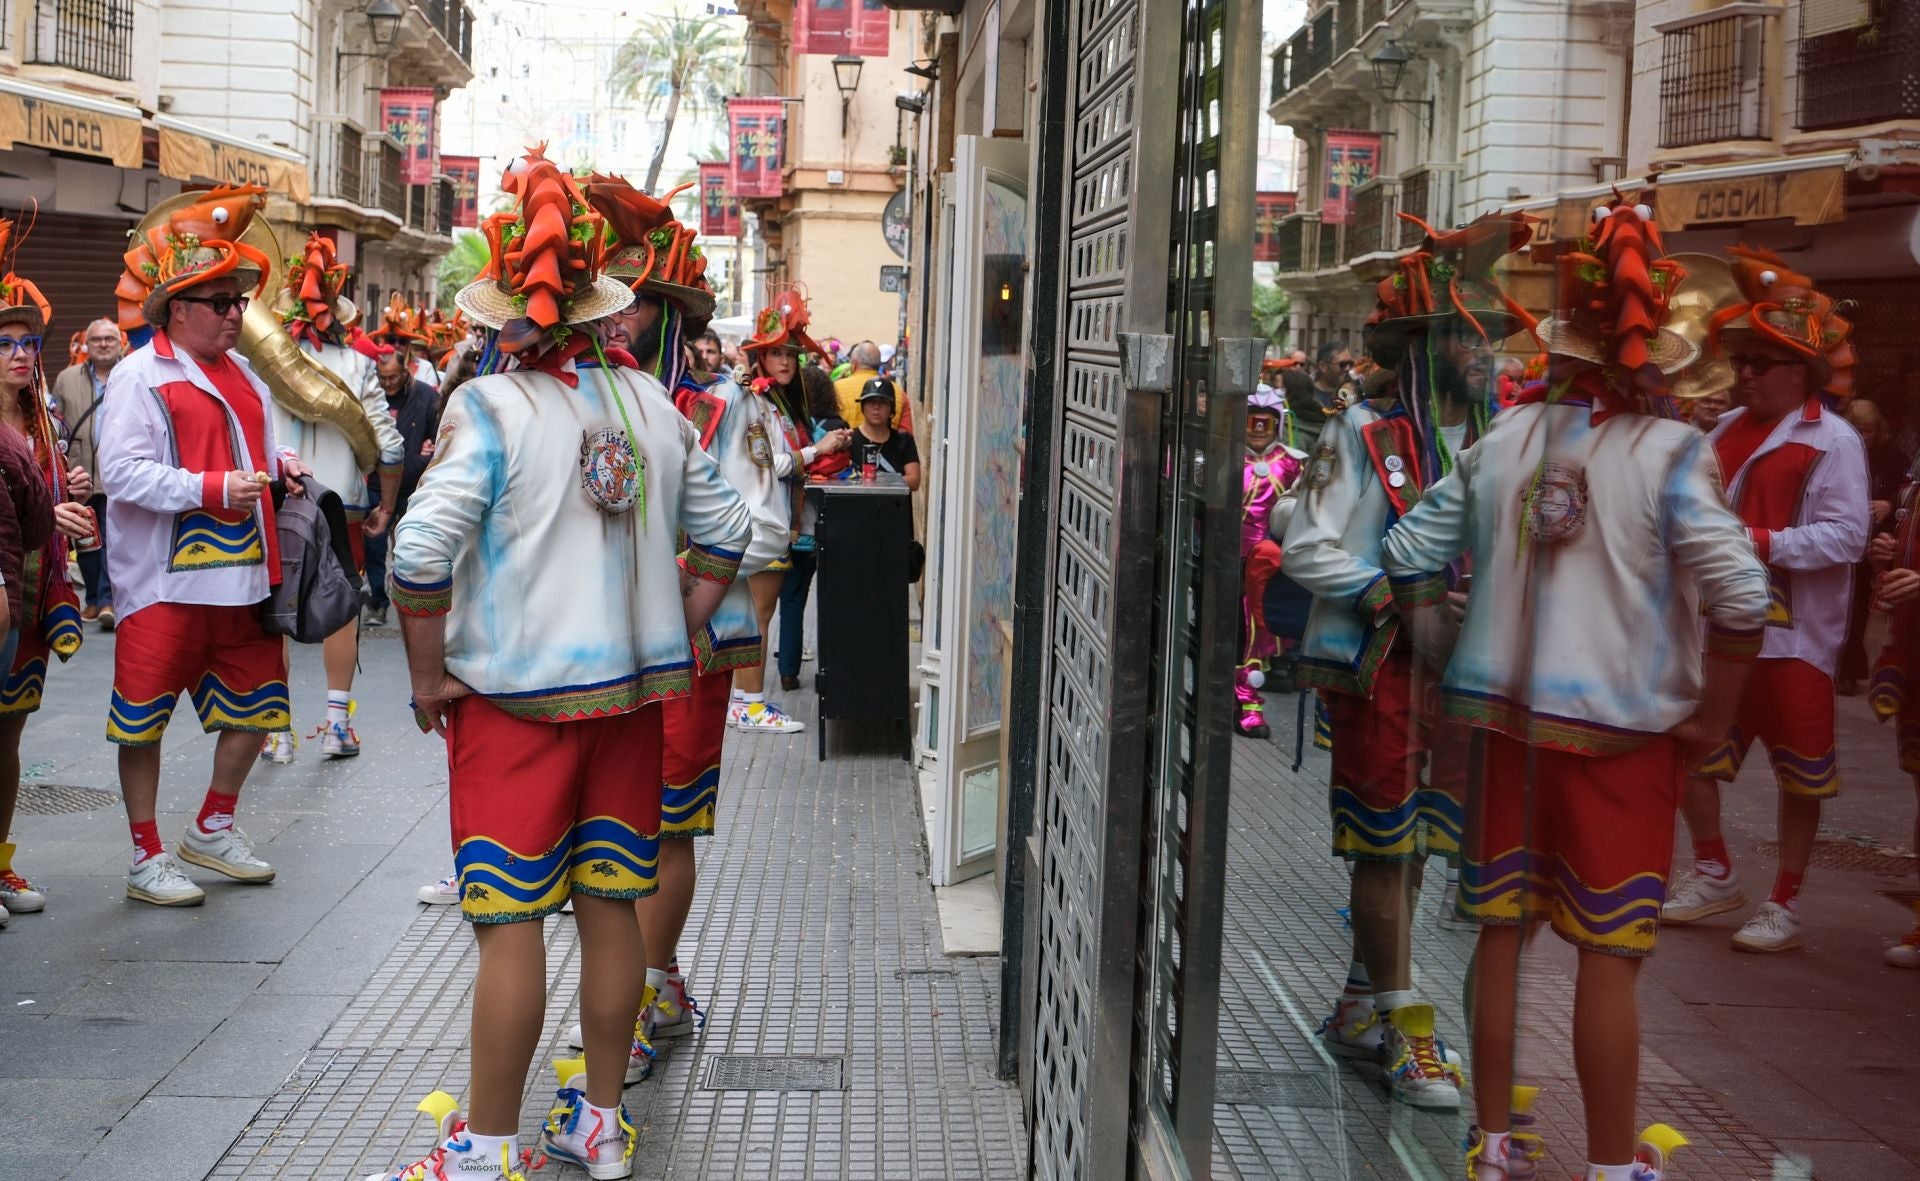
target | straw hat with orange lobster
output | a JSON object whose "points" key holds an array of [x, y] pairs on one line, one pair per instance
{"points": [[783, 325], [21, 301], [1781, 306], [400, 323], [547, 257], [1449, 276], [310, 302], [196, 244], [654, 254]]}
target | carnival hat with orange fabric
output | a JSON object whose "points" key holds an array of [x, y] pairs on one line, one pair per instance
{"points": [[1449, 276], [1615, 294], [194, 243], [1780, 305], [783, 325], [548, 253], [20, 301], [399, 323], [653, 252], [310, 297]]}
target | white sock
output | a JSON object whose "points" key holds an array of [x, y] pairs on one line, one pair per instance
{"points": [[609, 1116], [753, 698], [487, 1148], [1387, 1002], [656, 983], [1496, 1145], [1610, 1172], [339, 706]]}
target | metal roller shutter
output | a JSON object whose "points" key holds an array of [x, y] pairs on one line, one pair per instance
{"points": [[75, 261]]}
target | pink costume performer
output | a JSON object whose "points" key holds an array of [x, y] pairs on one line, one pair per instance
{"points": [[1270, 471]]}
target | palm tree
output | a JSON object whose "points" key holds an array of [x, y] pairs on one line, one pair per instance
{"points": [[673, 59], [1272, 312], [460, 265]]}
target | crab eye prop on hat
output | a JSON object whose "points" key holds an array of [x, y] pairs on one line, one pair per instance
{"points": [[197, 244], [399, 323], [547, 254], [1779, 305]]}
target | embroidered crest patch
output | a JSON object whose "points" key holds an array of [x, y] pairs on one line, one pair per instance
{"points": [[1320, 468], [1556, 503], [758, 445], [609, 470]]}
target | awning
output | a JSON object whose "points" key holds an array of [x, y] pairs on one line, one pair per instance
{"points": [[60, 122], [1807, 190], [191, 152]]}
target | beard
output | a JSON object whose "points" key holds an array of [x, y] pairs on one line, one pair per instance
{"points": [[1467, 386]]}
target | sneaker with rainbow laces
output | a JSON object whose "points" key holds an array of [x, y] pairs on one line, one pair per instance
{"points": [[17, 894], [640, 1054], [578, 1134], [1657, 1145], [1906, 953], [761, 717], [1420, 1069], [1517, 1158], [457, 1158], [675, 1012]]}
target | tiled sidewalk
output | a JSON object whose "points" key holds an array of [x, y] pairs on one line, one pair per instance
{"points": [[814, 934]]}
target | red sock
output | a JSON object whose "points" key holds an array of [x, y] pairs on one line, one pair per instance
{"points": [[217, 811], [1786, 889], [1712, 855], [146, 840]]}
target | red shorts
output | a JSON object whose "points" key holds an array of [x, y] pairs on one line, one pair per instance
{"points": [[357, 544], [541, 809], [693, 728], [1585, 842], [26, 679], [1788, 706], [235, 672], [1890, 696], [1383, 747]]}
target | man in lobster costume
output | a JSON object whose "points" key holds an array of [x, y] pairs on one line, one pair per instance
{"points": [[1796, 472], [1267, 476], [1439, 316], [1600, 539], [548, 609], [187, 449], [316, 314], [403, 329]]}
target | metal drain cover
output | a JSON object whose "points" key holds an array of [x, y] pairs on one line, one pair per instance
{"points": [[1860, 853], [56, 799], [772, 1072], [1271, 1088]]}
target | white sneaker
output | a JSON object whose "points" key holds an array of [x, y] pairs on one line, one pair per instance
{"points": [[576, 1134], [806, 654], [1906, 953], [455, 1158], [4, 916], [338, 741], [278, 747], [158, 880], [1699, 896], [226, 851], [675, 1013], [1353, 1029], [762, 717], [445, 892], [1772, 928], [1421, 1070], [1448, 918], [16, 892], [639, 1055]]}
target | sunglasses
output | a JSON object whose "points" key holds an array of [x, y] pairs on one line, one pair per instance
{"points": [[221, 304], [10, 345], [1761, 366]]}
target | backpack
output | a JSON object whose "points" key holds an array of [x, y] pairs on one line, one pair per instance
{"points": [[320, 588]]}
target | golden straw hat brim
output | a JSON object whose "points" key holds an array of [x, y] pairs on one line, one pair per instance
{"points": [[1668, 351], [494, 306]]}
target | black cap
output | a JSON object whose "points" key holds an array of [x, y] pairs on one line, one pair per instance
{"points": [[878, 387]]}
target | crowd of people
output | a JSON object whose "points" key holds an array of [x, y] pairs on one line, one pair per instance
{"points": [[581, 507], [1549, 605]]}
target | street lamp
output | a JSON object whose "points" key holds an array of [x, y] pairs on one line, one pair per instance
{"points": [[846, 76], [1389, 67], [383, 24]]}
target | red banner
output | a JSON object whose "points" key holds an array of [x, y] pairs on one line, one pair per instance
{"points": [[873, 29], [1349, 160], [719, 212], [1268, 210], [823, 26], [755, 126], [406, 118], [464, 172]]}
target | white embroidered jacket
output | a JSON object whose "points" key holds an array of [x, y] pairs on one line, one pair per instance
{"points": [[325, 449]]}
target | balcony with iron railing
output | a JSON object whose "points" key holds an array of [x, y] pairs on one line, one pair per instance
{"points": [[1290, 64], [1320, 45], [385, 190], [1426, 192], [443, 201], [91, 36], [1346, 23], [339, 157], [1295, 242], [1330, 246], [453, 21], [1865, 74], [1713, 79], [1371, 217]]}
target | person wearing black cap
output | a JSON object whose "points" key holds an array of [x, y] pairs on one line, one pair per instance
{"points": [[877, 447]]}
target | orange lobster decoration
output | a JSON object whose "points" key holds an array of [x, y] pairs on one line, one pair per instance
{"points": [[1616, 287], [1463, 261], [315, 279], [15, 291], [543, 250], [398, 322], [198, 243], [1783, 307], [783, 324], [648, 225]]}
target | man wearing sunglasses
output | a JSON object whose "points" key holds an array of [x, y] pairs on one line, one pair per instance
{"points": [[1796, 472], [187, 449]]}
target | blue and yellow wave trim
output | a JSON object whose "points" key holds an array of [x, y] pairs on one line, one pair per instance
{"points": [[60, 625], [138, 723], [20, 692], [266, 709], [201, 541], [601, 857], [1515, 885], [686, 810]]}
